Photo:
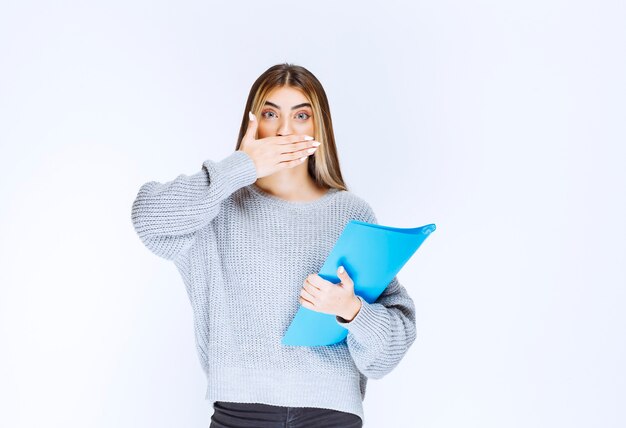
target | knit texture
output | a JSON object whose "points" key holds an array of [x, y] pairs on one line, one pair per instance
{"points": [[243, 255]]}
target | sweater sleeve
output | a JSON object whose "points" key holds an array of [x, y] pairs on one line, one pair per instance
{"points": [[166, 216], [381, 332]]}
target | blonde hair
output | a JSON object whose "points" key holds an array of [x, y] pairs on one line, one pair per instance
{"points": [[323, 166]]}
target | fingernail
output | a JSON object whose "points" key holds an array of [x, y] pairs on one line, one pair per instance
{"points": [[316, 143], [250, 115], [341, 269], [311, 150], [308, 138]]}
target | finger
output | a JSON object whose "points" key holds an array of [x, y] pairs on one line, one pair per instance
{"points": [[304, 293], [309, 280], [316, 281], [292, 159], [252, 126], [284, 164], [288, 139], [311, 289], [303, 148], [306, 303], [343, 276]]}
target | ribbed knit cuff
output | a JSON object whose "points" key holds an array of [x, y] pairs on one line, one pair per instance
{"points": [[370, 323], [235, 170]]}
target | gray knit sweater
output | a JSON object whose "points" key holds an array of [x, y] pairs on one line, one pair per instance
{"points": [[243, 255]]}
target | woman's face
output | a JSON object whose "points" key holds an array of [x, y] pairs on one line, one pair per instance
{"points": [[287, 111]]}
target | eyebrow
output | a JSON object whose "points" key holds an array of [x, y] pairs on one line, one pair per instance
{"points": [[293, 108]]}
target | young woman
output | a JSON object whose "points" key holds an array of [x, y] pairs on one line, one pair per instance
{"points": [[248, 235]]}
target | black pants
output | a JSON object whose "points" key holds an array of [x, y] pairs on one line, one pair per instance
{"points": [[257, 415]]}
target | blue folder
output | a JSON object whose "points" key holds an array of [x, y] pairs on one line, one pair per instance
{"points": [[372, 255]]}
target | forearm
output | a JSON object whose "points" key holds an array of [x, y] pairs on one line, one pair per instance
{"points": [[189, 202], [166, 216]]}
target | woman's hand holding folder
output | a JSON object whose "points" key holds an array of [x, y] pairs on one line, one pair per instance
{"points": [[327, 297]]}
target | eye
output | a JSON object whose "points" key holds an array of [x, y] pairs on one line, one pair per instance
{"points": [[266, 114], [306, 114]]}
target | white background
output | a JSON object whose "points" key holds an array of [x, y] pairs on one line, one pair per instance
{"points": [[501, 122]]}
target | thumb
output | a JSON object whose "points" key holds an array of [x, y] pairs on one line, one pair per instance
{"points": [[252, 127], [344, 277]]}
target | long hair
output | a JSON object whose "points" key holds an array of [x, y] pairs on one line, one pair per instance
{"points": [[323, 165]]}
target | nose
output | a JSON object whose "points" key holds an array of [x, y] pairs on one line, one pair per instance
{"points": [[285, 127]]}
